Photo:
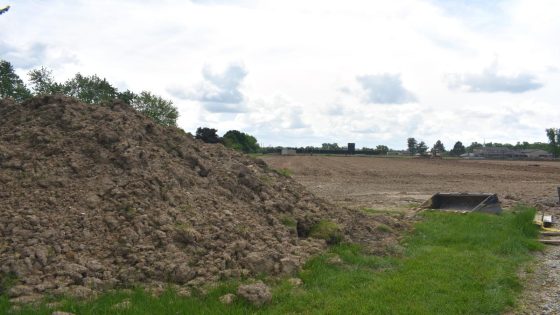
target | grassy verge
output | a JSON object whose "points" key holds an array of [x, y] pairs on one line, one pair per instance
{"points": [[453, 264]]}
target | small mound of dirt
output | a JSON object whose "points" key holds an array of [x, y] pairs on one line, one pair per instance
{"points": [[98, 196]]}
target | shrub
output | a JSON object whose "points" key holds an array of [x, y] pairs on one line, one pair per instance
{"points": [[327, 230]]}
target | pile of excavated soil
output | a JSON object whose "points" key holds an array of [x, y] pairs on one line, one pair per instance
{"points": [[98, 196]]}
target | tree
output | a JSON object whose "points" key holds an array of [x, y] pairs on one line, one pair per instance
{"points": [[412, 146], [330, 146], [10, 83], [160, 110], [4, 10], [208, 135], [127, 96], [438, 147], [553, 135], [240, 141], [42, 82], [382, 149], [90, 89], [458, 149], [422, 148], [474, 145]]}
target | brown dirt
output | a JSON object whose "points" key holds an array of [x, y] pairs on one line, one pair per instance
{"points": [[400, 183], [98, 196]]}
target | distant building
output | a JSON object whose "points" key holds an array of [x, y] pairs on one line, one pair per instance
{"points": [[507, 153], [536, 154], [498, 153]]}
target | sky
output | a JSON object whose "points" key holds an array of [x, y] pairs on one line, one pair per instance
{"points": [[299, 73]]}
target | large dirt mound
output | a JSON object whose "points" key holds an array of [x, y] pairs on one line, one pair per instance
{"points": [[98, 196]]}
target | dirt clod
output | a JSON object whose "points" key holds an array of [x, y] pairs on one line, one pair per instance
{"points": [[257, 293]]}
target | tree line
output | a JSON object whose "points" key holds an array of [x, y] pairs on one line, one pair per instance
{"points": [[233, 139], [414, 147], [88, 89]]}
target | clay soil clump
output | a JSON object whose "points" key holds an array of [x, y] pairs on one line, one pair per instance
{"points": [[95, 197]]}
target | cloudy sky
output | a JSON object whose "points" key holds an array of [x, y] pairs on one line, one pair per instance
{"points": [[307, 72]]}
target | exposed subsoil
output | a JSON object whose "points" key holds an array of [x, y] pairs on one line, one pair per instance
{"points": [[94, 197]]}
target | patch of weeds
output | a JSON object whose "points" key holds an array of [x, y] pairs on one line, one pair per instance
{"points": [[7, 280], [283, 172], [265, 179], [384, 228], [288, 221], [327, 230]]}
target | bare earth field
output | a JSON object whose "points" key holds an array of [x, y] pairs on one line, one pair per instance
{"points": [[396, 184]]}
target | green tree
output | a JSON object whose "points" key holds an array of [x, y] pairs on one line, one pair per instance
{"points": [[42, 82], [458, 149], [553, 135], [438, 147], [90, 89], [412, 146], [4, 10], [241, 141], [474, 145], [160, 110], [382, 149], [127, 96], [422, 148], [10, 83], [330, 146], [208, 135]]}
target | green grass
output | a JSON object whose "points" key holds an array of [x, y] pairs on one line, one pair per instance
{"points": [[452, 264], [284, 172]]}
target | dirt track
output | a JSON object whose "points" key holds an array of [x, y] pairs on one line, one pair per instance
{"points": [[400, 183]]}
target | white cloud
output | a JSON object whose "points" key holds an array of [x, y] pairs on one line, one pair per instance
{"points": [[492, 81], [308, 52], [219, 92], [385, 89]]}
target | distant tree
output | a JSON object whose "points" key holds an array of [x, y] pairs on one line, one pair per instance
{"points": [[10, 83], [208, 135], [474, 145], [553, 135], [412, 146], [422, 148], [90, 89], [240, 141], [458, 149], [4, 10], [330, 146], [382, 149], [160, 110], [127, 96], [439, 147], [42, 82]]}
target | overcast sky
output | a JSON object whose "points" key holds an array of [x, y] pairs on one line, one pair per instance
{"points": [[307, 72]]}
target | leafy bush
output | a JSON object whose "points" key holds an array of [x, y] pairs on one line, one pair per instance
{"points": [[327, 230], [241, 141]]}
